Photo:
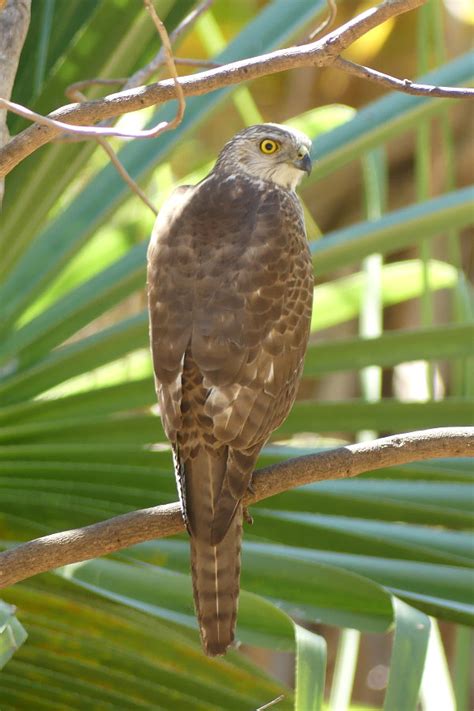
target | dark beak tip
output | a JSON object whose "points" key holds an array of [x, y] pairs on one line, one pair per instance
{"points": [[308, 164], [305, 164]]}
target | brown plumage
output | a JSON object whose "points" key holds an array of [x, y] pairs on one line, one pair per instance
{"points": [[230, 287]]}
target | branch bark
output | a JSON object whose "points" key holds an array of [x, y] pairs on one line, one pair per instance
{"points": [[320, 53], [48, 552], [405, 85], [14, 21]]}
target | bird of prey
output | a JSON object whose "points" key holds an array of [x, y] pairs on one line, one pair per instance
{"points": [[230, 287]]}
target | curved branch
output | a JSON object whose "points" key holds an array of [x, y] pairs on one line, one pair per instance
{"points": [[144, 73], [48, 552], [325, 24], [320, 53]]}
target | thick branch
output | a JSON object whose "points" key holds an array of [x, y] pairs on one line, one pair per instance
{"points": [[321, 53], [43, 554]]}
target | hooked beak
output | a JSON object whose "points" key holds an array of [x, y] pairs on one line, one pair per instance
{"points": [[304, 161]]}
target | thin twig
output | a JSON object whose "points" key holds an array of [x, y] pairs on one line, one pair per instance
{"points": [[72, 89], [48, 552], [326, 24], [120, 168], [197, 62], [94, 131], [74, 93], [405, 85], [171, 67], [273, 702], [142, 75], [88, 131]]}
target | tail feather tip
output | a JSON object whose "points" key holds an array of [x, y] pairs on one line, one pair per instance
{"points": [[217, 649]]}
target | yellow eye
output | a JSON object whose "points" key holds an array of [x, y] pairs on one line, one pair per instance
{"points": [[268, 145]]}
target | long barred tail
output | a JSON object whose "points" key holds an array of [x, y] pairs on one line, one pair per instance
{"points": [[216, 574]]}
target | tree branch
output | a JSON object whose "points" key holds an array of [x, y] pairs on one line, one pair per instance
{"points": [[325, 24], [14, 21], [48, 552], [165, 55], [405, 85], [98, 133], [320, 53], [142, 75]]}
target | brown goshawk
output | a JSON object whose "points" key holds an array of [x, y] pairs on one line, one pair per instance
{"points": [[230, 287]]}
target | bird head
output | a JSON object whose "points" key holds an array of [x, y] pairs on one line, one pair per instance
{"points": [[268, 151]]}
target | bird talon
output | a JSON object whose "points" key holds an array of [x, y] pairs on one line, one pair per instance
{"points": [[247, 516]]}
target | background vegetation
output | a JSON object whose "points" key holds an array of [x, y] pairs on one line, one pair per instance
{"points": [[80, 439]]}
